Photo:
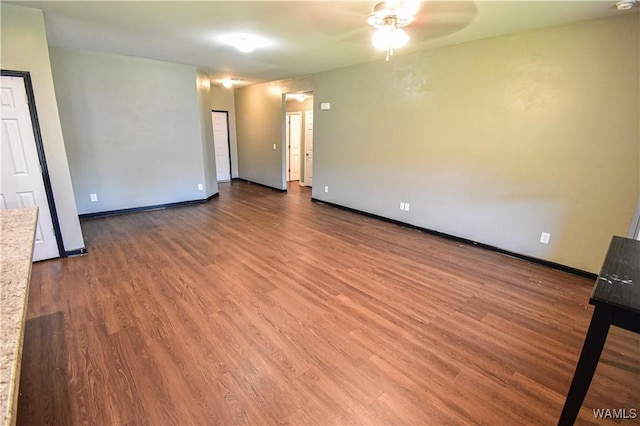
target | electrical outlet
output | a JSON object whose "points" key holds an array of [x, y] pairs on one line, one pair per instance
{"points": [[544, 237], [94, 197], [326, 189], [406, 207], [274, 146], [200, 187], [401, 205]]}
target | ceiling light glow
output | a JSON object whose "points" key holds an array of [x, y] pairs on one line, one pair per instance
{"points": [[229, 82], [275, 90], [389, 38], [244, 42], [300, 97]]}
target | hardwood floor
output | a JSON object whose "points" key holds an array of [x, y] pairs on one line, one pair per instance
{"points": [[262, 307]]}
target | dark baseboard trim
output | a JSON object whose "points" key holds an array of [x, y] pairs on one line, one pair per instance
{"points": [[77, 252], [259, 184], [147, 208], [211, 197], [549, 264]]}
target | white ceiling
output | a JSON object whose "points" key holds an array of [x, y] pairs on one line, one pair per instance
{"points": [[306, 36]]}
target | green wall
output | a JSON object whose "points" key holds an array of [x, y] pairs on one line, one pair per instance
{"points": [[495, 141]]}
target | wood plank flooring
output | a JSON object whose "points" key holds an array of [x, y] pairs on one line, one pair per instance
{"points": [[262, 307]]}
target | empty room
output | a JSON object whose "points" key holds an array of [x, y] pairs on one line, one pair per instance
{"points": [[320, 212]]}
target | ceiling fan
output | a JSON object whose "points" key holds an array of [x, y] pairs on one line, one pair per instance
{"points": [[358, 22]]}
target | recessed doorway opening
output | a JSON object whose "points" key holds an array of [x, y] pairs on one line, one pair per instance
{"points": [[298, 164]]}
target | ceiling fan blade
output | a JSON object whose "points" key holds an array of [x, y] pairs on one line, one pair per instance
{"points": [[439, 18], [445, 12], [339, 19]]}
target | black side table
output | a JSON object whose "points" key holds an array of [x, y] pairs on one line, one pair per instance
{"points": [[616, 297]]}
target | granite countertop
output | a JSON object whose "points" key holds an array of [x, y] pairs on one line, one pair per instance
{"points": [[17, 230]]}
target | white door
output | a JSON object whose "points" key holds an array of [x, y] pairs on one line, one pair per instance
{"points": [[294, 120], [221, 144], [22, 184], [308, 148]]}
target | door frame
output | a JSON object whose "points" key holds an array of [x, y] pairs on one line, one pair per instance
{"points": [[283, 123], [226, 113], [37, 135]]}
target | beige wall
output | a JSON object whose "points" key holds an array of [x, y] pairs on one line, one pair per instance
{"points": [[24, 48], [495, 141], [259, 127], [222, 99], [135, 129]]}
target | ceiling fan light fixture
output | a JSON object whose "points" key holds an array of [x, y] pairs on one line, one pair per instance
{"points": [[389, 38], [389, 17]]}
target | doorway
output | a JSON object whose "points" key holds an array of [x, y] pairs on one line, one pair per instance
{"points": [[24, 176], [222, 145], [298, 143]]}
